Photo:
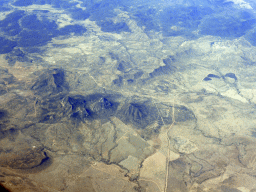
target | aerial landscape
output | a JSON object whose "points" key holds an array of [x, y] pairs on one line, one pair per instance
{"points": [[134, 96]]}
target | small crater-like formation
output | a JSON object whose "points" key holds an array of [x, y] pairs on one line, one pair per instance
{"points": [[26, 159]]}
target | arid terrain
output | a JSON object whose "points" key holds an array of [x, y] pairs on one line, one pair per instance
{"points": [[104, 96]]}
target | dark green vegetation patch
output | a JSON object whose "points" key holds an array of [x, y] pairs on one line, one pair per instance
{"points": [[30, 32]]}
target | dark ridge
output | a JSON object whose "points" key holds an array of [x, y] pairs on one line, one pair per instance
{"points": [[78, 108], [164, 70], [231, 75], [138, 114], [207, 79], [51, 82], [77, 101], [213, 76], [79, 111], [104, 108], [45, 159], [58, 76], [103, 103], [92, 98], [52, 109], [49, 118], [45, 163], [25, 159]]}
